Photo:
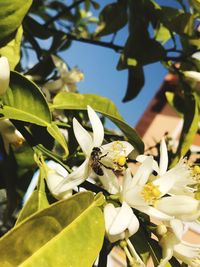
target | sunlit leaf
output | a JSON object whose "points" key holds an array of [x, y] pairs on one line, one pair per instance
{"points": [[12, 13], [25, 102], [190, 126], [12, 49], [67, 233]]}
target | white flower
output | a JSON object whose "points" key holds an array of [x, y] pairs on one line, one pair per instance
{"points": [[193, 75], [173, 181], [176, 182], [55, 175], [141, 194], [4, 75], [67, 80], [94, 153], [120, 222], [10, 135], [173, 245]]}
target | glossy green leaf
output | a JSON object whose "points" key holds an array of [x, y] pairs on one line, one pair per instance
{"points": [[37, 201], [135, 82], [176, 102], [25, 102], [190, 126], [12, 13], [68, 233], [103, 105], [12, 49], [56, 133], [112, 18]]}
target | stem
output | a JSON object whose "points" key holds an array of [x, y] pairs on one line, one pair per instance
{"points": [[116, 48]]}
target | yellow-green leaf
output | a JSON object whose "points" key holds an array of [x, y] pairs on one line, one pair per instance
{"points": [[68, 233]]}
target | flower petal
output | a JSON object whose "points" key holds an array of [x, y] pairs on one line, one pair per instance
{"points": [[4, 75], [109, 181], [133, 225], [154, 213], [121, 148], [178, 228], [97, 127], [143, 172], [179, 206], [122, 220], [163, 157], [75, 178], [141, 159], [83, 137]]}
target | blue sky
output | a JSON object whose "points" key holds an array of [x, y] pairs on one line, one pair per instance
{"points": [[102, 78]]}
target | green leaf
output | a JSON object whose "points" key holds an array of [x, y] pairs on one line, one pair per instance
{"points": [[12, 49], [37, 201], [135, 82], [68, 233], [36, 29], [103, 105], [112, 18], [182, 24], [56, 133], [24, 101], [190, 126], [176, 102], [12, 13]]}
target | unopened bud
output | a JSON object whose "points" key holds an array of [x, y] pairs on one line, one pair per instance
{"points": [[4, 75], [161, 230]]}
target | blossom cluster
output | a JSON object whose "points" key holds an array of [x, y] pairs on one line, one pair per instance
{"points": [[167, 195]]}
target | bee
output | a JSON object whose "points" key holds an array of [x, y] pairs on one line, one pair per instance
{"points": [[96, 156]]}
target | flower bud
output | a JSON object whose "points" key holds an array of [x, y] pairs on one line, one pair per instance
{"points": [[4, 75]]}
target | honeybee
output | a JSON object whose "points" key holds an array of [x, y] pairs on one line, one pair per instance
{"points": [[96, 165]]}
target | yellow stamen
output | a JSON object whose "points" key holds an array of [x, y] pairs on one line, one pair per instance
{"points": [[150, 192], [121, 161], [196, 173]]}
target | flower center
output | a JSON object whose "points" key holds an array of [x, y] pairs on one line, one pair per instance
{"points": [[196, 173], [150, 193], [119, 159]]}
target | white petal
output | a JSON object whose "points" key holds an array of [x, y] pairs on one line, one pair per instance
{"points": [[109, 181], [121, 148], [126, 182], [134, 197], [163, 157], [194, 75], [167, 253], [178, 228], [4, 75], [75, 178], [141, 159], [110, 213], [133, 225], [177, 176], [83, 137], [122, 220], [57, 167], [179, 206], [154, 213], [53, 179], [97, 127], [143, 172]]}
